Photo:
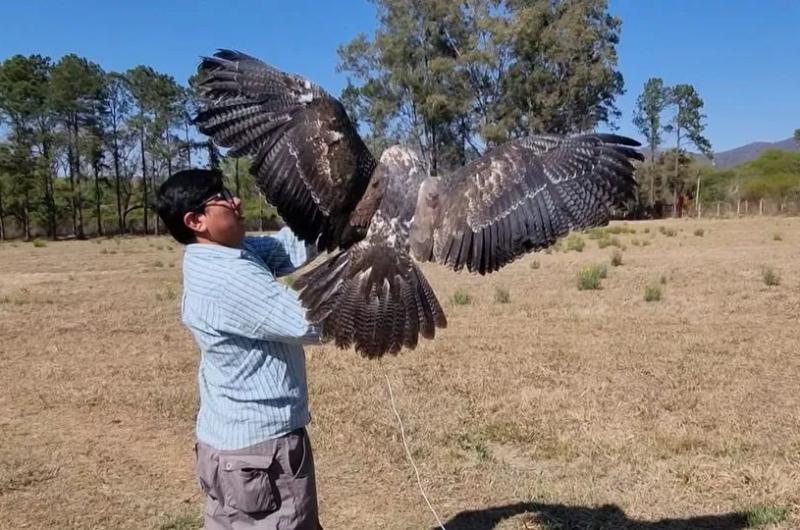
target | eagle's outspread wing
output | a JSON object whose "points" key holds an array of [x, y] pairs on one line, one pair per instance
{"points": [[523, 195], [307, 155]]}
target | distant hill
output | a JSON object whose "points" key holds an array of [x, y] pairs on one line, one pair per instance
{"points": [[745, 153], [740, 155]]}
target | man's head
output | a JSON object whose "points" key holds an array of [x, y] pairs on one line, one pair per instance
{"points": [[196, 207]]}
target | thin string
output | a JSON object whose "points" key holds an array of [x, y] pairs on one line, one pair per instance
{"points": [[408, 452]]}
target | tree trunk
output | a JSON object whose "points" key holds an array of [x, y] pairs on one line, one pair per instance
{"points": [[144, 176], [97, 199], [652, 183], [236, 175], [117, 183], [2, 218], [697, 197], [169, 154], [70, 163], [188, 146], [49, 191], [156, 219], [26, 216], [677, 167], [78, 195]]}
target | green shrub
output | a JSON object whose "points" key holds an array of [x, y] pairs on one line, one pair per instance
{"points": [[770, 276], [699, 232], [777, 237], [608, 241], [589, 277], [764, 514], [461, 297], [166, 294], [669, 232], [616, 258], [38, 243], [574, 242], [535, 264], [652, 293], [501, 295], [620, 229]]}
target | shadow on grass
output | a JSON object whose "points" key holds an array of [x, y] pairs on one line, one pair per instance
{"points": [[607, 517]]}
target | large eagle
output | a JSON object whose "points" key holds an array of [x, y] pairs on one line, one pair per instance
{"points": [[376, 217]]}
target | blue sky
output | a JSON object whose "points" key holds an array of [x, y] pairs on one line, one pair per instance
{"points": [[743, 56]]}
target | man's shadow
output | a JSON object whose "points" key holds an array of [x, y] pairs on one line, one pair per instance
{"points": [[607, 517]]}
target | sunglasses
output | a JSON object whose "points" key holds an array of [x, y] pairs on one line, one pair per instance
{"points": [[224, 195]]}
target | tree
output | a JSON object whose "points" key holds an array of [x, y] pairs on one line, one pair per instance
{"points": [[76, 92], [453, 78], [117, 105], [16, 162], [158, 103], [563, 77], [189, 106], [140, 84], [647, 118], [797, 136], [689, 120], [412, 88], [24, 84], [3, 187], [94, 141]]}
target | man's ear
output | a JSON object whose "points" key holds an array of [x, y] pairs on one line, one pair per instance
{"points": [[195, 221]]}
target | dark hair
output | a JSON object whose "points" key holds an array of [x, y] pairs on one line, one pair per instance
{"points": [[185, 192]]}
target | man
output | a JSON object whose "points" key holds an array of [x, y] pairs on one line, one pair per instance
{"points": [[253, 456]]}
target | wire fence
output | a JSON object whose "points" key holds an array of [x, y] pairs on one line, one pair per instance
{"points": [[731, 209]]}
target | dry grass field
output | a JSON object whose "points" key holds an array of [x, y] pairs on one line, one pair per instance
{"points": [[541, 406]]}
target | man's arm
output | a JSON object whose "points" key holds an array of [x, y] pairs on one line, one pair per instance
{"points": [[283, 252], [259, 307]]}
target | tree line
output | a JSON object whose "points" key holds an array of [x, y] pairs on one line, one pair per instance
{"points": [[83, 149], [671, 176], [666, 175], [456, 78]]}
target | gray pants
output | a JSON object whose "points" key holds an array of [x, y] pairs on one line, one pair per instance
{"points": [[267, 486]]}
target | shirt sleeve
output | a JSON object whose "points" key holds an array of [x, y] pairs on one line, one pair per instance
{"points": [[258, 307], [283, 252]]}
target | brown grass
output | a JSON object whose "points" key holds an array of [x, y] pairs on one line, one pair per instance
{"points": [[559, 409]]}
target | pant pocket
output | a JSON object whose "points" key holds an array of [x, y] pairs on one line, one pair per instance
{"points": [[246, 484], [298, 451], [206, 468]]}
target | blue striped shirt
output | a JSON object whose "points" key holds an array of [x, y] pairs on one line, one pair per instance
{"points": [[250, 329]]}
